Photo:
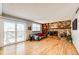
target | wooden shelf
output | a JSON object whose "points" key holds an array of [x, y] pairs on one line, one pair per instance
{"points": [[56, 25], [45, 27], [60, 28]]}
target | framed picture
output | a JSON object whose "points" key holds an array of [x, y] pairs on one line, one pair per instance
{"points": [[74, 24], [29, 28]]}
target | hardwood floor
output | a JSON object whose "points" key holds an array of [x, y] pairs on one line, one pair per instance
{"points": [[47, 46]]}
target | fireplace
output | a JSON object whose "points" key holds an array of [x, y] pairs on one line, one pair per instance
{"points": [[53, 33]]}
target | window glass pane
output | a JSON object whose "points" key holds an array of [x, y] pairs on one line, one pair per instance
{"points": [[20, 32], [9, 37], [8, 26], [38, 28], [20, 27], [35, 27], [20, 36], [14, 32], [38, 25], [9, 33]]}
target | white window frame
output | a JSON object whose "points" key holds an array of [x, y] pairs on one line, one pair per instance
{"points": [[17, 22]]}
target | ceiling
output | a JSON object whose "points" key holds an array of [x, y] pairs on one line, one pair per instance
{"points": [[41, 12]]}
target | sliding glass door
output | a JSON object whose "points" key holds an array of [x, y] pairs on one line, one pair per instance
{"points": [[20, 32], [9, 33], [14, 32]]}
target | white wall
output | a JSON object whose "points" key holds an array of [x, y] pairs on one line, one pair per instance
{"points": [[28, 31], [1, 32], [75, 33], [0, 9]]}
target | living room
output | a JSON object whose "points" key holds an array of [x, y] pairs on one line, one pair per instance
{"points": [[27, 27]]}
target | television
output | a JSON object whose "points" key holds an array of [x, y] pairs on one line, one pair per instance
{"points": [[74, 24]]}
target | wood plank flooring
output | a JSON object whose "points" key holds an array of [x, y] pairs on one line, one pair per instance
{"points": [[47, 46]]}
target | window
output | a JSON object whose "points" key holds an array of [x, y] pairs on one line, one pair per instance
{"points": [[35, 27], [20, 32], [9, 32], [14, 32]]}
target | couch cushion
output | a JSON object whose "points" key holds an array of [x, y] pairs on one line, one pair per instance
{"points": [[40, 34]]}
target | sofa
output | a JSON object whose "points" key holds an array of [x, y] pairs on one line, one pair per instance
{"points": [[37, 36]]}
